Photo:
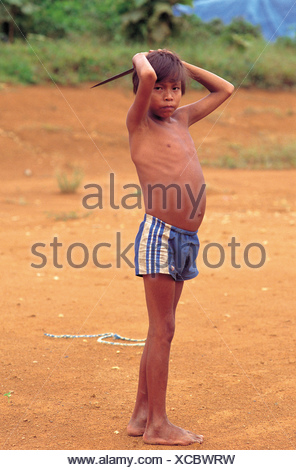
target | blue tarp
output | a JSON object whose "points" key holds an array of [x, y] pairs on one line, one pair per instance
{"points": [[275, 17]]}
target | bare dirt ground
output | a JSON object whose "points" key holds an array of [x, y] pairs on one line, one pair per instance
{"points": [[233, 362]]}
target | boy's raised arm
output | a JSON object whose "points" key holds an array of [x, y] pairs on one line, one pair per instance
{"points": [[219, 89], [147, 77]]}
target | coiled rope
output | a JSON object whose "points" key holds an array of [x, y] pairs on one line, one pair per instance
{"points": [[102, 339]]}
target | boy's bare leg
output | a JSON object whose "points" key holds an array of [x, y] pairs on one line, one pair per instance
{"points": [[162, 295], [137, 424]]}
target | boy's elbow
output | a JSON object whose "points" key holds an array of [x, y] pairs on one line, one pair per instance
{"points": [[229, 89]]}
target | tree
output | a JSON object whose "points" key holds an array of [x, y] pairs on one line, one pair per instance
{"points": [[11, 13], [150, 20]]}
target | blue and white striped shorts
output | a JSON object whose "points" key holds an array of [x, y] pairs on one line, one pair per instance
{"points": [[165, 249]]}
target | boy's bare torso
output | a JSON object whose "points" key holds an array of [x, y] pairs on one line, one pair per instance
{"points": [[169, 171]]}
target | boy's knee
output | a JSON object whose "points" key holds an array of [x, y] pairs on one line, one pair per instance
{"points": [[169, 330], [164, 333]]}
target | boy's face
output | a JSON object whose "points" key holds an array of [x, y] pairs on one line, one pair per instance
{"points": [[165, 99]]}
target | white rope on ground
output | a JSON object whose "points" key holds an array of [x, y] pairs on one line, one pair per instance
{"points": [[102, 339]]}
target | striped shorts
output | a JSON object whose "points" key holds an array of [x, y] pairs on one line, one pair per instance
{"points": [[165, 249]]}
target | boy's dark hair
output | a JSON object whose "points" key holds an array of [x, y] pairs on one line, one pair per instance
{"points": [[167, 66]]}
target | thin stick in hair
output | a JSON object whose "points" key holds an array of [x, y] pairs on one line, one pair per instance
{"points": [[122, 74]]}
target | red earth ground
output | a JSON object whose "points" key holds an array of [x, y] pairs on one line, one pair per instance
{"points": [[233, 362]]}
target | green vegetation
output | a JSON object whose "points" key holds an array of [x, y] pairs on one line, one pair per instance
{"points": [[64, 216], [8, 395], [150, 20], [70, 62], [278, 157], [69, 42], [69, 182]]}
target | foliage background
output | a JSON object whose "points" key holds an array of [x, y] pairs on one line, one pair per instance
{"points": [[69, 42]]}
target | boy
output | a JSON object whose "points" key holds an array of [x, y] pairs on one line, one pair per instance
{"points": [[167, 244]]}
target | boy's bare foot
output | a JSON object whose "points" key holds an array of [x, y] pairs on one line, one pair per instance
{"points": [[136, 427], [168, 434]]}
